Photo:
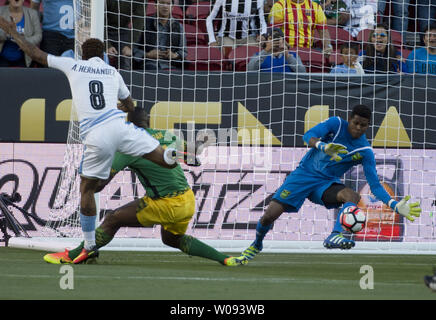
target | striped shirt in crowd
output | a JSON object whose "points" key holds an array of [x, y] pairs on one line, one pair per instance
{"points": [[298, 21], [240, 18]]}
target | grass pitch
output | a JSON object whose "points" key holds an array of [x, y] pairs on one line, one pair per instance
{"points": [[175, 276]]}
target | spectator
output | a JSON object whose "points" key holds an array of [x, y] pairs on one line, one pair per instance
{"points": [[162, 45], [400, 15], [243, 22], [57, 25], [123, 15], [380, 55], [423, 60], [349, 54], [335, 12], [301, 34], [28, 24], [275, 56], [363, 13], [267, 6], [426, 11]]}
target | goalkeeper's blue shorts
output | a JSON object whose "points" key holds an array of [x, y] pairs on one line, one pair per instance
{"points": [[299, 186]]}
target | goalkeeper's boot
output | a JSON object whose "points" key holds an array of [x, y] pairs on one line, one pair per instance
{"points": [[235, 261], [251, 251], [430, 281], [86, 255], [58, 258], [337, 241]]}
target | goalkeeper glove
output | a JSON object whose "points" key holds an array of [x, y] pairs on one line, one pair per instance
{"points": [[409, 211], [332, 149]]}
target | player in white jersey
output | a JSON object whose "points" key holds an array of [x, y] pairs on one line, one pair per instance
{"points": [[96, 88]]}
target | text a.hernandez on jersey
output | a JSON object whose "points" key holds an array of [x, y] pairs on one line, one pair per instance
{"points": [[88, 69]]}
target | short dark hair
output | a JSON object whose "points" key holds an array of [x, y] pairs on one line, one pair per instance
{"points": [[350, 45], [362, 111], [92, 48], [275, 33], [430, 26]]}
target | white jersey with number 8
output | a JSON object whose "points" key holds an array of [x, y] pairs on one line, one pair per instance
{"points": [[96, 88]]}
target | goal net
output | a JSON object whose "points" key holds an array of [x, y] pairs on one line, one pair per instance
{"points": [[252, 123]]}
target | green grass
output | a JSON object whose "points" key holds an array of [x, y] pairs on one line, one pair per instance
{"points": [[174, 276]]}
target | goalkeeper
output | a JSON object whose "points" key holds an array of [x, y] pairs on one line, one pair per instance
{"points": [[169, 201], [336, 146]]}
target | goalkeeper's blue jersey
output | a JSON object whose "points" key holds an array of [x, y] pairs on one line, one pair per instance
{"points": [[359, 150]]}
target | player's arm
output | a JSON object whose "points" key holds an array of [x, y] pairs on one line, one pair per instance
{"points": [[30, 49], [407, 210], [166, 158], [313, 138], [126, 105]]}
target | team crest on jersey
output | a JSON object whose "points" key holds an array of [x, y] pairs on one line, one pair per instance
{"points": [[284, 194], [356, 157]]}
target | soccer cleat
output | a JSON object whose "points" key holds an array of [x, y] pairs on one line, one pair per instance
{"points": [[235, 261], [251, 252], [86, 254], [58, 258], [337, 241], [430, 281]]}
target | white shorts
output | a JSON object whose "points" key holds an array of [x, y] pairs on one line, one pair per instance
{"points": [[101, 143]]}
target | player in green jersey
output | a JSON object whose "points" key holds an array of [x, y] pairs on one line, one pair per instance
{"points": [[169, 202]]}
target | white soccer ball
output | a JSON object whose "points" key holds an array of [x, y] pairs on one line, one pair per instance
{"points": [[353, 219]]}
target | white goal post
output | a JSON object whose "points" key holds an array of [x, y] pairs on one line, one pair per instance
{"points": [[254, 122]]}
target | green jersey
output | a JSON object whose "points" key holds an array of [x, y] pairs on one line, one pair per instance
{"points": [[157, 181]]}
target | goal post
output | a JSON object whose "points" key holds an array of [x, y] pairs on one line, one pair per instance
{"points": [[254, 123]]}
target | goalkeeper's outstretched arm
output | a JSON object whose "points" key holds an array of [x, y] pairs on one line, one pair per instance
{"points": [[407, 210], [30, 49]]}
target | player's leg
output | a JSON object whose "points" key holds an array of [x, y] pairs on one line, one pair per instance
{"points": [[265, 223], [288, 198], [124, 216], [194, 247], [333, 197], [87, 218], [174, 214]]}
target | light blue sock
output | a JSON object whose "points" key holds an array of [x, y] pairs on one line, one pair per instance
{"points": [[88, 229], [338, 226], [261, 232]]}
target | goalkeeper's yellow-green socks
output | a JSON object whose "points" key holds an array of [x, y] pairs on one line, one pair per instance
{"points": [[101, 239], [195, 247]]}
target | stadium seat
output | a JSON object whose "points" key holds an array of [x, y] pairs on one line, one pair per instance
{"points": [[197, 14], [177, 13], [204, 58], [362, 36], [313, 59], [151, 9], [195, 37], [239, 57], [396, 38], [339, 36]]}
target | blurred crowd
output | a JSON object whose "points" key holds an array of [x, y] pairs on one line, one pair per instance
{"points": [[296, 36]]}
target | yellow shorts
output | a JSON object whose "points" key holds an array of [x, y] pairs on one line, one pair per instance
{"points": [[173, 213]]}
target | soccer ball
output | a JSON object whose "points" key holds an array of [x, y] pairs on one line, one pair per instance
{"points": [[353, 219]]}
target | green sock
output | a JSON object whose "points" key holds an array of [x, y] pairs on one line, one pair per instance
{"points": [[101, 239], [76, 251], [195, 247]]}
